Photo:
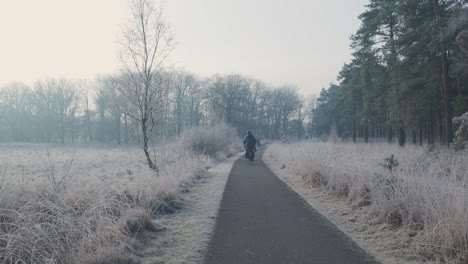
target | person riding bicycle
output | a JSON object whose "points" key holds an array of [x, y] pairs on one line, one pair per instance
{"points": [[249, 144]]}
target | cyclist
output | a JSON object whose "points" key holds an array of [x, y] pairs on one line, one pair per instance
{"points": [[249, 145]]}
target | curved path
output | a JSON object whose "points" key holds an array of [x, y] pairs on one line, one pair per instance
{"points": [[262, 221]]}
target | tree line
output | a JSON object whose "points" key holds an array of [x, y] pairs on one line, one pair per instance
{"points": [[103, 110], [146, 102], [407, 78]]}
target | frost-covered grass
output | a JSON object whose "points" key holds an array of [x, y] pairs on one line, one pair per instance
{"points": [[425, 195], [218, 139], [188, 231], [88, 205]]}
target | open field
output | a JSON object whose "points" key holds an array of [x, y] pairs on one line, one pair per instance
{"points": [[414, 203], [88, 205]]}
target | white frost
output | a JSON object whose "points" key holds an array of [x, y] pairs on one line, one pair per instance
{"points": [[188, 231]]}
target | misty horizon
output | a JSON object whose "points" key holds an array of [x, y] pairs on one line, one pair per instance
{"points": [[305, 48]]}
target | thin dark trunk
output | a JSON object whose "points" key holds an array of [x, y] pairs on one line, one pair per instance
{"points": [[428, 132], [389, 134], [126, 129], [88, 121], [366, 133], [447, 120], [415, 140], [447, 112], [144, 129], [440, 129], [62, 129], [420, 134], [179, 117], [101, 132], [430, 128], [191, 112], [117, 129], [72, 125], [354, 131], [401, 136], [354, 122]]}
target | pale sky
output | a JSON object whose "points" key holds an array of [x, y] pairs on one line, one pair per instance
{"points": [[299, 42]]}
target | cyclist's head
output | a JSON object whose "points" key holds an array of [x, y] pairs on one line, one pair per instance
{"points": [[249, 132]]}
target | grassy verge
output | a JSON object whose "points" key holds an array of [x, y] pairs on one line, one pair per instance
{"points": [[418, 192], [88, 205]]}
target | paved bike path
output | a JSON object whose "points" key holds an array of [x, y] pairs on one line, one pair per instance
{"points": [[262, 221]]}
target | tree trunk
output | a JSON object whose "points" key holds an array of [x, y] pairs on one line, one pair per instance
{"points": [[88, 121], [72, 126], [191, 112], [420, 135], [354, 131], [126, 129], [447, 112], [447, 120], [389, 134], [439, 129], [101, 130], [354, 121], [430, 128], [366, 133], [62, 129], [117, 128], [401, 136], [144, 129], [179, 116]]}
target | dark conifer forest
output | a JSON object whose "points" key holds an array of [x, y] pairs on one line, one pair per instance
{"points": [[408, 76]]}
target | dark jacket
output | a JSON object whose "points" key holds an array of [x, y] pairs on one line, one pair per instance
{"points": [[250, 141]]}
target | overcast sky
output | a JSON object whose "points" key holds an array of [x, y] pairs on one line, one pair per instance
{"points": [[299, 42]]}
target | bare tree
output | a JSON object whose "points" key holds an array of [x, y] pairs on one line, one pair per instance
{"points": [[52, 100], [109, 90], [311, 105], [15, 98], [228, 96], [66, 97], [185, 97], [289, 101], [146, 44], [84, 91]]}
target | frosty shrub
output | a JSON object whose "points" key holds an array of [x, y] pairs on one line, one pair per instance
{"points": [[390, 163], [462, 131], [212, 140], [411, 189], [89, 205]]}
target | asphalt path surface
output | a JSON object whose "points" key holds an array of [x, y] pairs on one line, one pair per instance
{"points": [[262, 221]]}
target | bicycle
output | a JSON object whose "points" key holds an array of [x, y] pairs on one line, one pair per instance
{"points": [[250, 154]]}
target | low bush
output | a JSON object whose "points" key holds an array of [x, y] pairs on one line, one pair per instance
{"points": [[211, 140]]}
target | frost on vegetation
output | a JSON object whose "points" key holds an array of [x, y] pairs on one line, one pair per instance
{"points": [[88, 205], [414, 189], [462, 132], [211, 140]]}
